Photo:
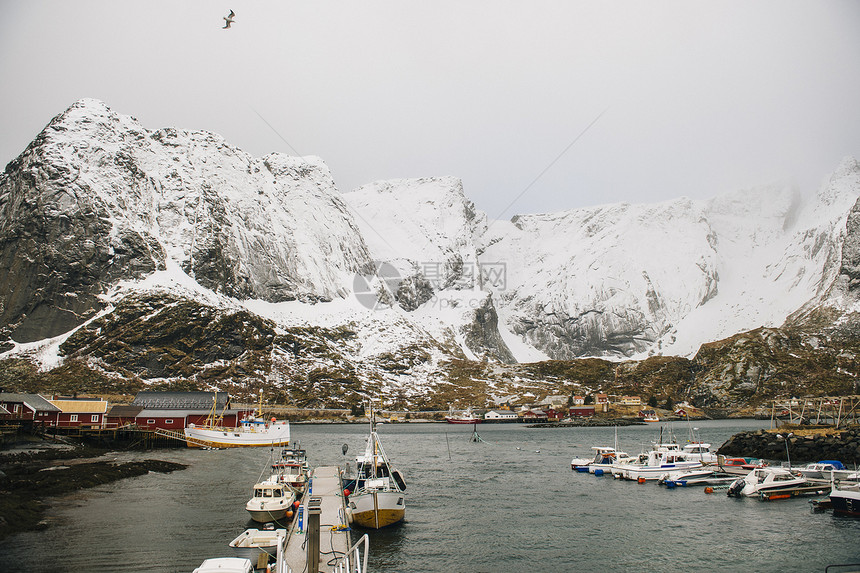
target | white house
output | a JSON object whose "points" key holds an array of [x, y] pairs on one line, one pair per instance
{"points": [[500, 416]]}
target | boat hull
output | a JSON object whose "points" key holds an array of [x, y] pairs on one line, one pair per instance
{"points": [[845, 503], [274, 436], [377, 509], [463, 420], [636, 473]]}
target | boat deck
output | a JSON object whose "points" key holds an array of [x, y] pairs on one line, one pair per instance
{"points": [[325, 489]]}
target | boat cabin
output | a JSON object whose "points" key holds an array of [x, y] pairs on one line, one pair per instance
{"points": [[269, 490]]}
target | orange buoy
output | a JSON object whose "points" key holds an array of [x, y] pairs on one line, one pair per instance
{"points": [[641, 480], [296, 504], [289, 514], [346, 492], [709, 489]]}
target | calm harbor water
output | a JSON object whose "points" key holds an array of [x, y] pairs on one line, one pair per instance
{"points": [[509, 503]]}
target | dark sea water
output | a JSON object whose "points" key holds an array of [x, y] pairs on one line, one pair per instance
{"points": [[509, 503]]}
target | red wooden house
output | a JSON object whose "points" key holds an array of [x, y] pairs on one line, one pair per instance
{"points": [[581, 411], [80, 412], [25, 407]]}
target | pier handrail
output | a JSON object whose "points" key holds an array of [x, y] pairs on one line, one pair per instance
{"points": [[360, 559]]}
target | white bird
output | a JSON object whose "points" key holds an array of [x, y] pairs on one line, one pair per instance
{"points": [[228, 20]]}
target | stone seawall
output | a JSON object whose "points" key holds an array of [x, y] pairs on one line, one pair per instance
{"points": [[843, 446]]}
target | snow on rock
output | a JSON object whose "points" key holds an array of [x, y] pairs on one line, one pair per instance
{"points": [[99, 206], [106, 199]]}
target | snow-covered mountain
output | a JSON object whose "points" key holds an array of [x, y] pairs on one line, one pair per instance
{"points": [[632, 280], [402, 274]]}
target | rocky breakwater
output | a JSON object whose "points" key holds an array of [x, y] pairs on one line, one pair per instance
{"points": [[800, 445]]}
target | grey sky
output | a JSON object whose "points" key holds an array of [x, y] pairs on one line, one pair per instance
{"points": [[700, 97]]}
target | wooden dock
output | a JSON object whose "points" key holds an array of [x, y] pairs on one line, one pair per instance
{"points": [[319, 538]]}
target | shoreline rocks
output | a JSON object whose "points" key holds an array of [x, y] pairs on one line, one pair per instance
{"points": [[28, 479], [843, 446]]}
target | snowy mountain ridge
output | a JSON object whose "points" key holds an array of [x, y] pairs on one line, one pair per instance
{"points": [[99, 207]]}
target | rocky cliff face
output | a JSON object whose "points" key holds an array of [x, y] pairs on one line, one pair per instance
{"points": [[96, 199]]}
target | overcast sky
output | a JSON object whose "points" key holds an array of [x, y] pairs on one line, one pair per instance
{"points": [[544, 104]]}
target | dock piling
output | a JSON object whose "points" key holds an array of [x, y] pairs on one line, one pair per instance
{"points": [[313, 534]]}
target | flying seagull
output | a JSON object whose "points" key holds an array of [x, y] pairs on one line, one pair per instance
{"points": [[228, 20]]}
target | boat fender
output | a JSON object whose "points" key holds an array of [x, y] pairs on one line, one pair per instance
{"points": [[709, 489], [670, 484], [641, 480], [598, 472], [346, 492]]}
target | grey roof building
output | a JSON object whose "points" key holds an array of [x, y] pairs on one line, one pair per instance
{"points": [[181, 400], [33, 402]]}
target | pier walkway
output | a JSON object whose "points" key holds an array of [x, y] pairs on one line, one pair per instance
{"points": [[319, 538]]}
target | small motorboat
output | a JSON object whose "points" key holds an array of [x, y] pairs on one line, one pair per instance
{"points": [[821, 470], [270, 501], [739, 466], [845, 501], [764, 480], [252, 543], [603, 459], [292, 468], [225, 565], [656, 463], [688, 476], [699, 451]]}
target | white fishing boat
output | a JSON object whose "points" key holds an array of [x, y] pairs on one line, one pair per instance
{"points": [[292, 468], [380, 497], [604, 458], [657, 462], [699, 451], [762, 480], [270, 501], [253, 431]]}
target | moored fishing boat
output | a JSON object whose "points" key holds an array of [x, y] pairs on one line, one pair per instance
{"points": [[656, 463], [464, 417], [380, 497], [270, 501], [604, 458], [253, 431], [292, 468]]}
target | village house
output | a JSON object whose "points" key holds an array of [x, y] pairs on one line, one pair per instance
{"points": [[500, 416], [122, 415], [578, 400], [533, 415], [581, 411], [80, 412], [28, 407], [553, 402], [631, 401]]}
